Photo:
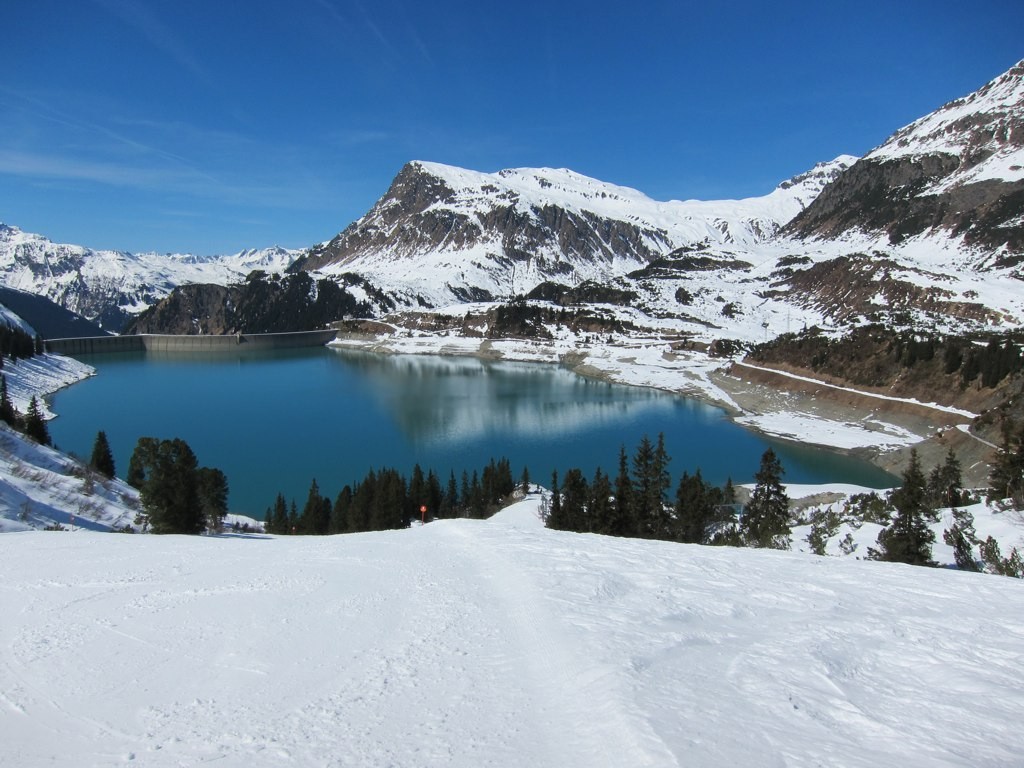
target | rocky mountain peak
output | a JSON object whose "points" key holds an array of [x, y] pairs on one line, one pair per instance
{"points": [[955, 173]]}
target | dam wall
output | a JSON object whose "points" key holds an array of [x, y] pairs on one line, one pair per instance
{"points": [[151, 342]]}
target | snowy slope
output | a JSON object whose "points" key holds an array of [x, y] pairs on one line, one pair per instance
{"points": [[983, 128], [40, 486], [466, 643]]}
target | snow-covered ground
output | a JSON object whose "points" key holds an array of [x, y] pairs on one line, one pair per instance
{"points": [[467, 643], [40, 486], [40, 376]]}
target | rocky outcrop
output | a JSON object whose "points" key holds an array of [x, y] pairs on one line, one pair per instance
{"points": [[262, 304], [419, 214], [958, 170], [895, 197]]}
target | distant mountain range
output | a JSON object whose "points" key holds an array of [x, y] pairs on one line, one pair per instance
{"points": [[927, 230], [108, 287]]}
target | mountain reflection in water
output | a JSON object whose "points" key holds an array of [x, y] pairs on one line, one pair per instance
{"points": [[274, 421]]}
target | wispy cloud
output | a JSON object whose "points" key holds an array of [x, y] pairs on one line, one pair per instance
{"points": [[141, 18], [393, 38], [284, 192], [31, 164]]}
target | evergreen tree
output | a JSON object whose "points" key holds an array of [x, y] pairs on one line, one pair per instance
{"points": [[434, 495], [555, 519], [143, 456], [729, 492], [362, 502], [476, 503], [602, 504], [418, 493], [464, 495], [167, 474], [1007, 477], [651, 482], [575, 494], [212, 488], [35, 425], [624, 520], [279, 517], [695, 508], [102, 459], [293, 519], [908, 539], [963, 539], [450, 500], [945, 483], [7, 413], [524, 480], [340, 511], [766, 517], [315, 518]]}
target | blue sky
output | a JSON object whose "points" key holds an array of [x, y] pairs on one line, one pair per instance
{"points": [[208, 126]]}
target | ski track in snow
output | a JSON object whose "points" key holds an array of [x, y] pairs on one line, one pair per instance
{"points": [[497, 643]]}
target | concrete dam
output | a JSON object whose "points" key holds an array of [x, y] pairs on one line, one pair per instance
{"points": [[151, 342]]}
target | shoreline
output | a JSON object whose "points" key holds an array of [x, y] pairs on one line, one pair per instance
{"points": [[877, 428]]}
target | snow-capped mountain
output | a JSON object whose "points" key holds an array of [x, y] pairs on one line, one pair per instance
{"points": [[110, 286], [442, 233], [926, 230], [955, 175]]}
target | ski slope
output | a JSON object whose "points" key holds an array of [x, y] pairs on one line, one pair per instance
{"points": [[498, 643]]}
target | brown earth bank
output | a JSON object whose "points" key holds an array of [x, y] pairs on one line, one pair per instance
{"points": [[757, 390]]}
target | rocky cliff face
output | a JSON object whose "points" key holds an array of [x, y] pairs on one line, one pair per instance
{"points": [[441, 233], [263, 303], [957, 172]]}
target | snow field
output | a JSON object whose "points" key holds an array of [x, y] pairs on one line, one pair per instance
{"points": [[470, 643]]}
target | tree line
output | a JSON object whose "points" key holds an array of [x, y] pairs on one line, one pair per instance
{"points": [[635, 503], [385, 499]]}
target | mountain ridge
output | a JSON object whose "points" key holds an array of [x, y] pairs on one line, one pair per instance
{"points": [[109, 286]]}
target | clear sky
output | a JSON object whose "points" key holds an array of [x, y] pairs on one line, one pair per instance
{"points": [[208, 126]]}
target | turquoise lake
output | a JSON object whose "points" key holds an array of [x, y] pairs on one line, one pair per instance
{"points": [[275, 421]]}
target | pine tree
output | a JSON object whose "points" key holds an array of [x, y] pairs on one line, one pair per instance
{"points": [[450, 500], [695, 508], [418, 493], [766, 517], [102, 459], [7, 412], [555, 518], [651, 482], [945, 483], [624, 521], [340, 511], [1007, 477], [167, 474], [315, 518], [434, 496], [35, 425], [212, 489], [279, 517], [908, 539], [575, 494], [601, 505], [963, 539]]}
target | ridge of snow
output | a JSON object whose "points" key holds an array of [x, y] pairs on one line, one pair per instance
{"points": [[999, 105], [683, 222]]}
